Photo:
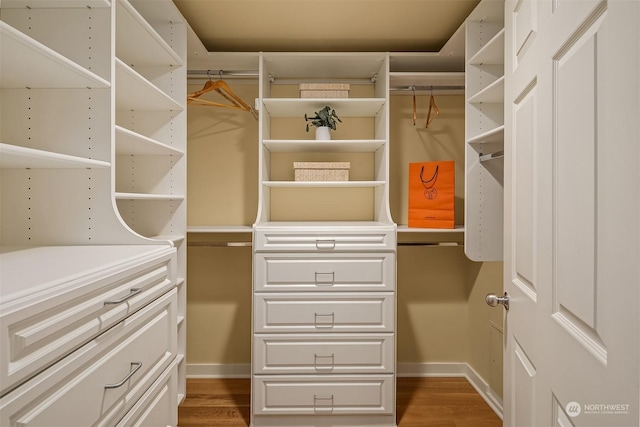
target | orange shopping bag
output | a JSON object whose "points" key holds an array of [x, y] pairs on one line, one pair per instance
{"points": [[431, 194]]}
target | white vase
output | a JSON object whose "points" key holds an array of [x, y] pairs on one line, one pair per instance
{"points": [[322, 133]]}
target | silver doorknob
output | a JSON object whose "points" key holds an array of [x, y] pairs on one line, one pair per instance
{"points": [[493, 300]]}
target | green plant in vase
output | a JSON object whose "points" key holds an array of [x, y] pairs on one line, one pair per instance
{"points": [[326, 117]]}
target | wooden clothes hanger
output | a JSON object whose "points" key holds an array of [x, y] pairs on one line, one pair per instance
{"points": [[221, 87], [432, 107], [413, 89]]}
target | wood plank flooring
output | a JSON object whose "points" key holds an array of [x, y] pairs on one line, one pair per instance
{"points": [[421, 402]]}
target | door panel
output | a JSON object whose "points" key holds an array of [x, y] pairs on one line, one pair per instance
{"points": [[524, 376], [523, 123], [574, 185]]}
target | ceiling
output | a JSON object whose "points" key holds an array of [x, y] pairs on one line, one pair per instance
{"points": [[330, 26]]}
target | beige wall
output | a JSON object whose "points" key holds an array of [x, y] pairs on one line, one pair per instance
{"points": [[442, 316]]}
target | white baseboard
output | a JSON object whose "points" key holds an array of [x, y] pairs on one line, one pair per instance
{"points": [[219, 370], [243, 370]]}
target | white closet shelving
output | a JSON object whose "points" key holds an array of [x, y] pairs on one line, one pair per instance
{"points": [[150, 131], [484, 118], [61, 238], [425, 82], [315, 266]]}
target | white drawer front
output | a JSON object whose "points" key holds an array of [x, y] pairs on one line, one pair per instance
{"points": [[283, 239], [158, 406], [99, 382], [317, 312], [323, 354], [324, 272], [329, 395], [36, 336]]}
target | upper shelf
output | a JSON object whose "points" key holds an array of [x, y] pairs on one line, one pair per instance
{"points": [[324, 184], [138, 43], [52, 4], [494, 136], [134, 92], [345, 107], [491, 53], [494, 93], [17, 157], [129, 142], [333, 146], [26, 62], [323, 65]]}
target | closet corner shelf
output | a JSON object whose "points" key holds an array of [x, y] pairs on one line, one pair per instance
{"points": [[27, 63], [345, 107], [490, 53], [137, 42], [134, 92], [493, 136], [17, 157], [407, 229], [333, 146], [129, 142], [323, 184], [176, 239], [149, 197], [492, 94]]}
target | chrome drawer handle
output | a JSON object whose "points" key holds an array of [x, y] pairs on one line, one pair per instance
{"points": [[324, 324], [325, 244], [135, 366], [324, 365], [331, 276], [132, 292], [326, 403]]}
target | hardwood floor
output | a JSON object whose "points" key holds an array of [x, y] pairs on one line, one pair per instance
{"points": [[421, 402]]}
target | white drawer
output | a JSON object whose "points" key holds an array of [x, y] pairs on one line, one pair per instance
{"points": [[323, 354], [158, 407], [99, 382], [324, 272], [37, 334], [322, 312], [326, 395], [325, 240]]}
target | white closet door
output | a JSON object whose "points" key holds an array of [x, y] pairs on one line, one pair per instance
{"points": [[572, 213]]}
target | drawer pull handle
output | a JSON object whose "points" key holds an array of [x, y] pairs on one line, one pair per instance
{"points": [[324, 324], [135, 366], [324, 365], [325, 278], [325, 244], [322, 403], [132, 292]]}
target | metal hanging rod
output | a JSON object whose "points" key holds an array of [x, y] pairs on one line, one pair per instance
{"points": [[201, 74], [415, 88], [430, 244], [221, 244]]}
